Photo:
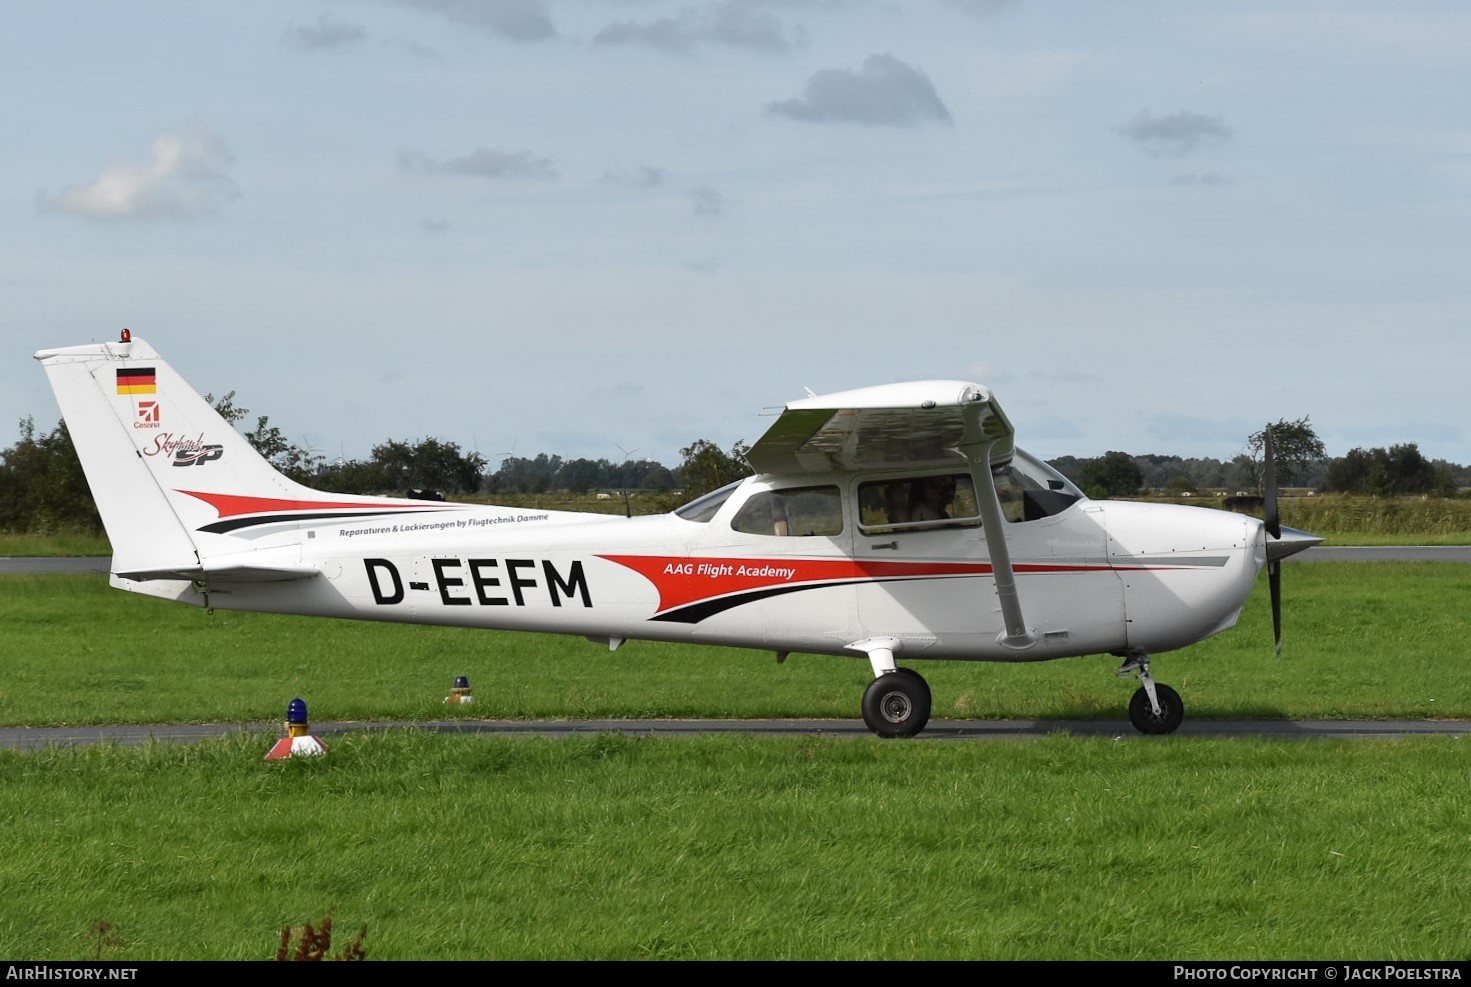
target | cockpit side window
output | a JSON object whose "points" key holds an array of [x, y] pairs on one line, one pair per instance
{"points": [[918, 503], [1027, 488], [792, 512]]}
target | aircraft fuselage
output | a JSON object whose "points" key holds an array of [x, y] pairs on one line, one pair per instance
{"points": [[1096, 577]]}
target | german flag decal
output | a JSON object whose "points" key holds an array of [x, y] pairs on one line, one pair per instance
{"points": [[139, 380]]}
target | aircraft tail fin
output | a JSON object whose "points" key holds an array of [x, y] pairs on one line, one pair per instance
{"points": [[160, 460], [184, 496]]}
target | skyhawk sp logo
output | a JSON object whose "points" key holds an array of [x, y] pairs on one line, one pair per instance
{"points": [[198, 456]]}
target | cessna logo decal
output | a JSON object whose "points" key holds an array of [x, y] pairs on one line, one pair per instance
{"points": [[148, 415], [483, 582]]}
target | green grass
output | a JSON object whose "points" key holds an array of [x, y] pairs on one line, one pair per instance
{"points": [[607, 847], [1361, 640], [1347, 519], [1348, 538], [20, 545], [732, 847]]}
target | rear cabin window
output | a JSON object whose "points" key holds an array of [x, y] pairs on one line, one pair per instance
{"points": [[918, 503], [793, 512]]}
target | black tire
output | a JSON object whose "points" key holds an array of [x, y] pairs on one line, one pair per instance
{"points": [[897, 704], [1171, 711]]}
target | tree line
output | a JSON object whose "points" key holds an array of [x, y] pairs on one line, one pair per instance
{"points": [[1301, 460], [43, 489]]}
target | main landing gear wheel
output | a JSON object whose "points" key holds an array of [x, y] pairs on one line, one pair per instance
{"points": [[1171, 710], [897, 704]]}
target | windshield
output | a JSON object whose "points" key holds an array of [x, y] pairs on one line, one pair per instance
{"points": [[703, 508], [1029, 489], [1042, 476]]}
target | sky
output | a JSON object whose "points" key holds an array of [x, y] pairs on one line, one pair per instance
{"points": [[608, 229]]}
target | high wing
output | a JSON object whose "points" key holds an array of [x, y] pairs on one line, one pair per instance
{"points": [[921, 424]]}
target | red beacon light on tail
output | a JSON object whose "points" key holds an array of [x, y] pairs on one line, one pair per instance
{"points": [[127, 336]]}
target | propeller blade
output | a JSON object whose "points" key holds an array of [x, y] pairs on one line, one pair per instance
{"points": [[1269, 487], [1274, 583], [1276, 548]]}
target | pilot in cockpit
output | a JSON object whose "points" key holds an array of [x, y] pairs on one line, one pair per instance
{"points": [[931, 497]]}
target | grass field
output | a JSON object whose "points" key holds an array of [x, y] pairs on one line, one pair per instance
{"points": [[606, 847], [612, 847], [1361, 640]]}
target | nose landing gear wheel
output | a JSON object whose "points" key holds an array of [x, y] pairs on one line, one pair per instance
{"points": [[897, 704], [1171, 710]]}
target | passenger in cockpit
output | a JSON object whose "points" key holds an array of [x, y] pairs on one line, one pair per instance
{"points": [[896, 501]]}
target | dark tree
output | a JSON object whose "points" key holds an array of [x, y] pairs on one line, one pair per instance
{"points": [[581, 475], [1395, 471], [42, 487], [426, 465], [1296, 449], [522, 475], [706, 467], [1114, 474]]}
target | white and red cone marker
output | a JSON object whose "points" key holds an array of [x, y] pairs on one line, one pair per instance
{"points": [[297, 742], [460, 694]]}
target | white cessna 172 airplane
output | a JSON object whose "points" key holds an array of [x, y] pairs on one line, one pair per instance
{"points": [[897, 522]]}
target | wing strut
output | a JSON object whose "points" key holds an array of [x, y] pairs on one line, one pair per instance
{"points": [[1017, 635]]}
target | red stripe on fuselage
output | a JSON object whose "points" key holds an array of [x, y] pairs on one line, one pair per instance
{"points": [[233, 505], [682, 580]]}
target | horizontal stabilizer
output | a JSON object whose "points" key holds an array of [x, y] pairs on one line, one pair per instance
{"points": [[216, 574]]}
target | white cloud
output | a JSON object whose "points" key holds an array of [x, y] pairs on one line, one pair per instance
{"points": [[643, 176], [981, 8], [514, 20], [328, 32], [1198, 179], [187, 179], [707, 201], [736, 23], [1175, 133], [885, 92], [482, 162]]}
